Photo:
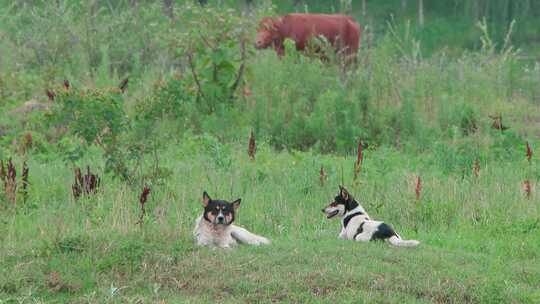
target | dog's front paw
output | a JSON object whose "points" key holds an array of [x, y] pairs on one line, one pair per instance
{"points": [[202, 243], [225, 246]]}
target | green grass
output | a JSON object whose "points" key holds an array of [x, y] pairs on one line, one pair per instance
{"points": [[480, 235], [291, 270], [422, 115]]}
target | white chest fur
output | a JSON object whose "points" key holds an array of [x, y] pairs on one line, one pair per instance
{"points": [[207, 234]]}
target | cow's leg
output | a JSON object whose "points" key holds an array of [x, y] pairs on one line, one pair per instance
{"points": [[279, 48]]}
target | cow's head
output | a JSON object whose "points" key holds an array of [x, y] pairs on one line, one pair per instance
{"points": [[268, 32]]}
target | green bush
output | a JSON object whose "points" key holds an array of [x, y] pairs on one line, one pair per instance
{"points": [[97, 118]]}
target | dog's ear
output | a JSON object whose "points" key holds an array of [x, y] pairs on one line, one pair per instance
{"points": [[344, 193], [236, 204], [205, 199]]}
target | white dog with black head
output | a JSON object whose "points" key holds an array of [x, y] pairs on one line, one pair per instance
{"points": [[214, 227], [357, 225]]}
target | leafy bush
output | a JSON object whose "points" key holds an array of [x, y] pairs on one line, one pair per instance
{"points": [[214, 51], [97, 117]]}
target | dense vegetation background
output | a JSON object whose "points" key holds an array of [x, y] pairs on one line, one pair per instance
{"points": [[440, 25], [445, 104]]}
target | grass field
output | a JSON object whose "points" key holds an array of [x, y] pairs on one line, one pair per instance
{"points": [[436, 165], [480, 235]]}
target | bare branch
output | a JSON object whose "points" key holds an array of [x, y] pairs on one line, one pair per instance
{"points": [[240, 70], [194, 73]]}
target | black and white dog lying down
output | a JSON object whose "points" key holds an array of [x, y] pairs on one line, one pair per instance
{"points": [[357, 225], [214, 227]]}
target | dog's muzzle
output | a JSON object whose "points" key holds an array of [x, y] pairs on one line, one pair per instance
{"points": [[332, 214], [220, 219]]}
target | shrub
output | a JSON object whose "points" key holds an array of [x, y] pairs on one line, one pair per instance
{"points": [[214, 50], [97, 117], [94, 117]]}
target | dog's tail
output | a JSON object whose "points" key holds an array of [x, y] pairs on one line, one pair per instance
{"points": [[243, 236], [397, 241]]}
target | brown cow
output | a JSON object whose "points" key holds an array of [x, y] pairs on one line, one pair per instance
{"points": [[341, 31]]}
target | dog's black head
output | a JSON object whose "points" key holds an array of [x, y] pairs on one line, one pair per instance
{"points": [[342, 203], [219, 212]]}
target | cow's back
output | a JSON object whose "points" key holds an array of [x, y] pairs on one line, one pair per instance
{"points": [[302, 27]]}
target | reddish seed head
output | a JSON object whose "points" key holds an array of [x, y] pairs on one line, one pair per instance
{"points": [[322, 176], [76, 191], [66, 84], [28, 138], [497, 123], [77, 184], [25, 181], [25, 174], [359, 160], [144, 195], [10, 182], [476, 168], [247, 91], [27, 142], [78, 176], [418, 188], [360, 154], [2, 171], [252, 146], [87, 184], [50, 94], [123, 84], [529, 152], [527, 188], [142, 201], [11, 173]]}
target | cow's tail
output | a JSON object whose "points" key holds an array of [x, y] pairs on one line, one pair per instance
{"points": [[243, 236], [397, 241]]}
